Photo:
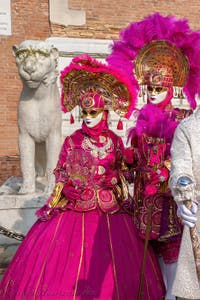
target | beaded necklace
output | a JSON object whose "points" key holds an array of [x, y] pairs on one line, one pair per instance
{"points": [[98, 151]]}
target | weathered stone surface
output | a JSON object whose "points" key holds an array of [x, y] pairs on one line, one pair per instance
{"points": [[39, 113], [17, 213]]}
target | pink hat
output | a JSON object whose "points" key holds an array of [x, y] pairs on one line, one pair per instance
{"points": [[158, 75], [90, 100], [157, 40], [86, 80]]}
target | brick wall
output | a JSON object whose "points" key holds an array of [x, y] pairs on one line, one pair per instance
{"points": [[30, 20], [9, 166], [106, 18]]}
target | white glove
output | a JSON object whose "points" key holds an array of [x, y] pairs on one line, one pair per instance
{"points": [[189, 217]]}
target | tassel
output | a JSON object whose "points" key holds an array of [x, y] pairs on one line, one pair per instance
{"points": [[71, 119], [141, 91], [175, 92], [120, 125]]}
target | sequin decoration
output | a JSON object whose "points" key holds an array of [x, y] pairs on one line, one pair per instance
{"points": [[81, 167], [97, 151], [87, 75], [156, 55]]}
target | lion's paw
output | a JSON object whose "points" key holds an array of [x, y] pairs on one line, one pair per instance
{"points": [[26, 190]]}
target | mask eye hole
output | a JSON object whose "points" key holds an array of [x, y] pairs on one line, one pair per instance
{"points": [[84, 112], [93, 112], [158, 89], [149, 88]]}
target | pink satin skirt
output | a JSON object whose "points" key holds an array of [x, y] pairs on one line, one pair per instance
{"points": [[85, 256]]}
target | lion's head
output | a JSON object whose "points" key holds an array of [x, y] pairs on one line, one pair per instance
{"points": [[37, 62]]}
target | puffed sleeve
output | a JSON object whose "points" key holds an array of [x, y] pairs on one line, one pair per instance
{"points": [[60, 170]]}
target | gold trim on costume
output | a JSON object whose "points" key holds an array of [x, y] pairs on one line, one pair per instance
{"points": [[56, 194], [113, 258], [76, 82], [44, 263], [109, 205], [152, 54], [5, 291], [147, 288], [81, 256]]}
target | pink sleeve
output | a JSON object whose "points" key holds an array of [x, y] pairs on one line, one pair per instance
{"points": [[60, 170]]}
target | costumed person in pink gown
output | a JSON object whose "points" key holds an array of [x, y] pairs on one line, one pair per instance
{"points": [[162, 54], [84, 245]]}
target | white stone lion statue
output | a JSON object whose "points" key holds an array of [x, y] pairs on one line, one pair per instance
{"points": [[39, 113]]}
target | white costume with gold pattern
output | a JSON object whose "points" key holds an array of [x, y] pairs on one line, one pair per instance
{"points": [[185, 154]]}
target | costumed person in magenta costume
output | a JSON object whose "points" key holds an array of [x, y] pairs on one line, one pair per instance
{"points": [[162, 55], [84, 246]]}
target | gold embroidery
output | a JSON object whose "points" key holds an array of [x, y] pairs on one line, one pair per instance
{"points": [[56, 194], [97, 151], [167, 164], [7, 285], [101, 170], [45, 261]]}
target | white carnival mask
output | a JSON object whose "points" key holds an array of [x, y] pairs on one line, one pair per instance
{"points": [[92, 117], [156, 94]]}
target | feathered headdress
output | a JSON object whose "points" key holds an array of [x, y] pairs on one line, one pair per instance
{"points": [[86, 75], [139, 38]]}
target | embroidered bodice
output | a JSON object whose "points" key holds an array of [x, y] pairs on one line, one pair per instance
{"points": [[151, 141], [92, 166]]}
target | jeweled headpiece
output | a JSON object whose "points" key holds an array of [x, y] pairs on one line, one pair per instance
{"points": [[86, 75], [160, 48], [90, 100], [160, 63]]}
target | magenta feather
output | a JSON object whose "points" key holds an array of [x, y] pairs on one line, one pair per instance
{"points": [[158, 27], [86, 62], [153, 122]]}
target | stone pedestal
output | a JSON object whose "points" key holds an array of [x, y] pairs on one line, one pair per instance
{"points": [[17, 213]]}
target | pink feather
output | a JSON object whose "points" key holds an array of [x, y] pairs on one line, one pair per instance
{"points": [[86, 62], [158, 27]]}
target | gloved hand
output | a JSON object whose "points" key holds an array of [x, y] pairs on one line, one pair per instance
{"points": [[189, 217], [71, 193], [184, 189]]}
